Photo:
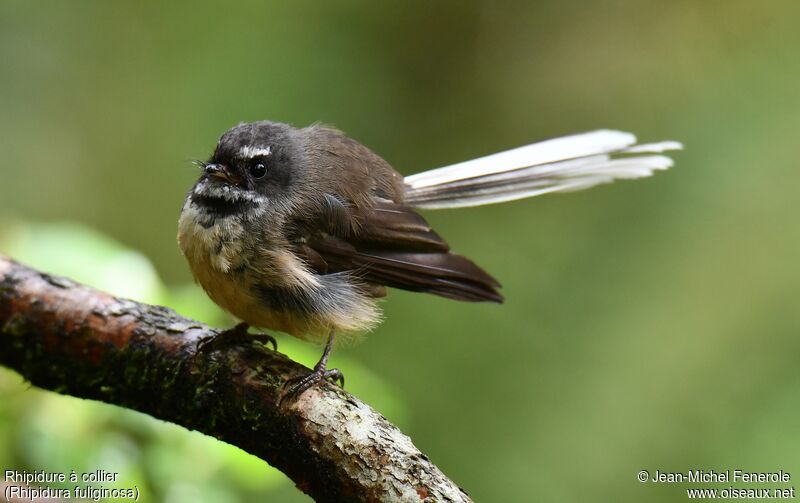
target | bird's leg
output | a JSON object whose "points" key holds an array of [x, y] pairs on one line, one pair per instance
{"points": [[237, 334], [299, 384]]}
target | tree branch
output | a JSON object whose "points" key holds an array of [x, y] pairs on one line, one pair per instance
{"points": [[80, 341]]}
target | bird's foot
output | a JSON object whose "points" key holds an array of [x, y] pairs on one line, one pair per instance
{"points": [[298, 385], [232, 336]]}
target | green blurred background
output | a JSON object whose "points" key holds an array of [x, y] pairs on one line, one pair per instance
{"points": [[648, 325]]}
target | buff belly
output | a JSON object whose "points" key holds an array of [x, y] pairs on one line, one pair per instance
{"points": [[225, 269]]}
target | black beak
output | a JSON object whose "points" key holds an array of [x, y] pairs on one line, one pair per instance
{"points": [[218, 171]]}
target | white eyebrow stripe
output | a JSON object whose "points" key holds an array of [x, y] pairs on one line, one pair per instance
{"points": [[250, 152]]}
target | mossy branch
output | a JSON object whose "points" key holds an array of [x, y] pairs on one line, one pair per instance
{"points": [[76, 340]]}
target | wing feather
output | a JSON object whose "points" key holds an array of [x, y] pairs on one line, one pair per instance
{"points": [[394, 246]]}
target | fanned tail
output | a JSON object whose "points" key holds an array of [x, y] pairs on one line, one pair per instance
{"points": [[562, 164]]}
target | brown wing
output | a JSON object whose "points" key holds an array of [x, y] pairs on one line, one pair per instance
{"points": [[394, 246]]}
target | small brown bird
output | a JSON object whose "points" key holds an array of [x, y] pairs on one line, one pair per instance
{"points": [[302, 230]]}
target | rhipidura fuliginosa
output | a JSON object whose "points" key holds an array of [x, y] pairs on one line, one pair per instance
{"points": [[302, 230]]}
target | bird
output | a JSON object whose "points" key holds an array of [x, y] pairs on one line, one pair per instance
{"points": [[301, 230]]}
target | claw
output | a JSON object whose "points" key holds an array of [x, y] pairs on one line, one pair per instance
{"points": [[265, 339]]}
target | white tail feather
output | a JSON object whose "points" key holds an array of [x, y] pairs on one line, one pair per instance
{"points": [[563, 164]]}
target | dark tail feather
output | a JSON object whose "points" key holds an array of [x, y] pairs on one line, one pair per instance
{"points": [[440, 273]]}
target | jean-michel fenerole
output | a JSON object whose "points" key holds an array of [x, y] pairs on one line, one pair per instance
{"points": [[730, 476]]}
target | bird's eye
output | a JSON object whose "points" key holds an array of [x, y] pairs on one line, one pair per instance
{"points": [[258, 169]]}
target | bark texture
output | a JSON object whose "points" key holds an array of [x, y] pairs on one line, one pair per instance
{"points": [[76, 340]]}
